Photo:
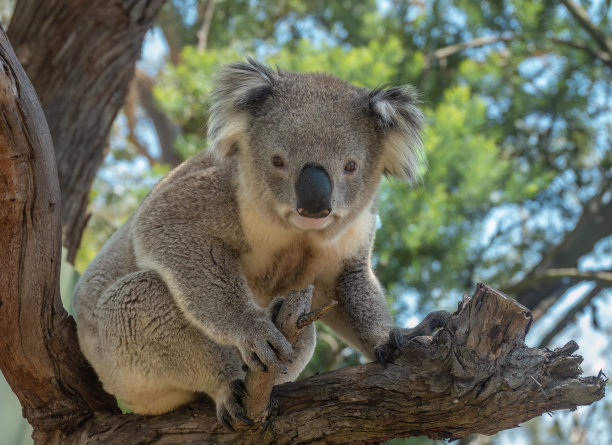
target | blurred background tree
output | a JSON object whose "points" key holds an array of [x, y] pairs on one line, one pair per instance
{"points": [[518, 98]]}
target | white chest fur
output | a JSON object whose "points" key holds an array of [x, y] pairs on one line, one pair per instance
{"points": [[280, 260]]}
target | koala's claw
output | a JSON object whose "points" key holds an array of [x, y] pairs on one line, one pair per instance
{"points": [[245, 419], [226, 422], [383, 353], [266, 348], [275, 307], [238, 389], [232, 408], [399, 338]]}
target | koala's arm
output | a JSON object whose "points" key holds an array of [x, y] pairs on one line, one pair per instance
{"points": [[205, 279], [362, 316]]}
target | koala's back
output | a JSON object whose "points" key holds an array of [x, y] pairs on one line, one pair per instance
{"points": [[195, 193]]}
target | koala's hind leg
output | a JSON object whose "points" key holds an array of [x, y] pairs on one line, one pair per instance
{"points": [[152, 358]]}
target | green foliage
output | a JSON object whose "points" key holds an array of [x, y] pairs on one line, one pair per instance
{"points": [[366, 66], [184, 91], [426, 230]]}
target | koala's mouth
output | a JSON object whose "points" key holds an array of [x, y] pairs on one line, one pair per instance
{"points": [[304, 223]]}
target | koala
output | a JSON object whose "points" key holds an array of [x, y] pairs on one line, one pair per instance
{"points": [[177, 302]]}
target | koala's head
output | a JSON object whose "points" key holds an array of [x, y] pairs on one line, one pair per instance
{"points": [[312, 148]]}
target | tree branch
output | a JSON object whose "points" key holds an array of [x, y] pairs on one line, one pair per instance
{"points": [[39, 354], [141, 93], [293, 317], [570, 315], [175, 32], [592, 226], [583, 19], [130, 110], [80, 56], [601, 276], [601, 55], [447, 51], [475, 375], [207, 16]]}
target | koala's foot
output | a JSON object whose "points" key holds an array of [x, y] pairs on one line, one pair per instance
{"points": [[229, 407], [399, 337]]}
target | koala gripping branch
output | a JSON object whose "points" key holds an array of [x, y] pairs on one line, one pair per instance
{"points": [[475, 375], [292, 317]]}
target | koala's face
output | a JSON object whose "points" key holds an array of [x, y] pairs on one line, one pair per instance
{"points": [[312, 148], [313, 157]]}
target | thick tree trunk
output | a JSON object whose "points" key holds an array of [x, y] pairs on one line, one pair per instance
{"points": [[80, 56], [473, 375], [39, 355]]}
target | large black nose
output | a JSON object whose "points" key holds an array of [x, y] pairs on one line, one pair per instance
{"points": [[313, 189]]}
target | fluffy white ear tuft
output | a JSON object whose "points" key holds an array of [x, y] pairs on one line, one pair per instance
{"points": [[397, 115], [240, 87]]}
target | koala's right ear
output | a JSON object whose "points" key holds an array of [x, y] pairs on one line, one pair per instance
{"points": [[241, 86], [398, 117]]}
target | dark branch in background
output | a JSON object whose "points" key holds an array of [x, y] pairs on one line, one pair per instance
{"points": [[570, 315], [175, 33], [130, 109], [206, 12], [603, 56], [593, 225], [81, 92], [600, 276], [582, 17], [141, 93]]}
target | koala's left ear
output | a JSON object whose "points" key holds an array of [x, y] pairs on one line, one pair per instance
{"points": [[241, 87], [398, 117]]}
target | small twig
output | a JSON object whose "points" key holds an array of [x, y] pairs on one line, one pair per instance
{"points": [[540, 385], [305, 319]]}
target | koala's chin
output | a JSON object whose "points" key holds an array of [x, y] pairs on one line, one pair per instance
{"points": [[304, 223]]}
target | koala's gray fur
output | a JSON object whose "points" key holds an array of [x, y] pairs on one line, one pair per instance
{"points": [[175, 304]]}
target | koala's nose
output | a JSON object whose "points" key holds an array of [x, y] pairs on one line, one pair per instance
{"points": [[313, 190]]}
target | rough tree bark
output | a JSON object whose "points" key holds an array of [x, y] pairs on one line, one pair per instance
{"points": [[80, 56], [473, 375], [39, 355]]}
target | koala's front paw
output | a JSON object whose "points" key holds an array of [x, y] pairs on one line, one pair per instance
{"points": [[264, 347], [229, 406], [399, 337]]}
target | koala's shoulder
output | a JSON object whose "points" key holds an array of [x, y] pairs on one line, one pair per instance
{"points": [[199, 195]]}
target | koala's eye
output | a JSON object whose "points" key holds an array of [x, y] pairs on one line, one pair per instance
{"points": [[350, 166], [277, 161]]}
